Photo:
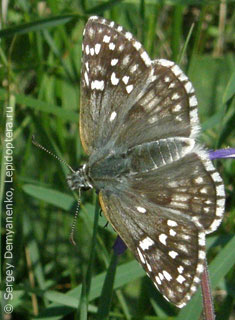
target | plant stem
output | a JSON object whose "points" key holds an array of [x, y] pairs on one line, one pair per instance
{"points": [[208, 307]]}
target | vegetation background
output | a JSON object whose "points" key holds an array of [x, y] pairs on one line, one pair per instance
{"points": [[40, 54]]}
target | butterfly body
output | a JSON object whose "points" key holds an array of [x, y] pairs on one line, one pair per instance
{"points": [[157, 186]]}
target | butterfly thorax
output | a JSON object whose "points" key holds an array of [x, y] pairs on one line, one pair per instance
{"points": [[79, 179], [108, 170]]}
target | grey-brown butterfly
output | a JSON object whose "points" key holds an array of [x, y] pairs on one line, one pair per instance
{"points": [[156, 184]]}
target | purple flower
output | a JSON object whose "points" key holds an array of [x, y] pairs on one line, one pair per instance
{"points": [[119, 246], [222, 153]]}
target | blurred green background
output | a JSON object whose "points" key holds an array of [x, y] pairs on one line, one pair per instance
{"points": [[40, 60]]}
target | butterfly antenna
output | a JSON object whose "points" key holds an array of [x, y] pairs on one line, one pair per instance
{"points": [[75, 218], [38, 145]]}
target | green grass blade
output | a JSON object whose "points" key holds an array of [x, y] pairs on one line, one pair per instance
{"points": [[230, 89], [218, 269], [56, 198], [65, 115], [84, 299], [36, 26], [123, 277], [107, 290]]}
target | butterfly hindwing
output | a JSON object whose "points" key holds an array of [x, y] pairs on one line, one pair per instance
{"points": [[177, 175], [172, 253]]}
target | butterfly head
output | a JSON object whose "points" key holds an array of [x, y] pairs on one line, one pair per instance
{"points": [[79, 179]]}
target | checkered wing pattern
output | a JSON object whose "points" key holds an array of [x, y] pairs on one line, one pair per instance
{"points": [[157, 186], [126, 98], [163, 214], [115, 70], [172, 251]]}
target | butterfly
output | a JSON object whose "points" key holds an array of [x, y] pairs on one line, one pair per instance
{"points": [[157, 186]]}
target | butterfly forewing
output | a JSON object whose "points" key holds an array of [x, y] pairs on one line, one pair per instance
{"points": [[115, 69], [121, 87], [157, 186], [167, 107]]}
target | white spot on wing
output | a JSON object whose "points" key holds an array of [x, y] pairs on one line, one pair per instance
{"points": [[111, 46], [221, 202], [97, 48], [173, 254], [93, 18], [125, 79], [200, 268], [167, 276], [199, 180], [146, 58], [172, 223], [201, 240], [216, 177], [201, 254], [172, 85], [133, 68], [158, 280], [161, 276], [137, 45], [196, 279], [86, 78], [121, 47], [189, 87], [180, 269], [96, 84], [215, 224], [87, 66], [148, 266], [175, 96], [203, 190], [128, 35], [146, 243], [177, 108], [176, 70], [114, 62], [141, 256], [183, 77], [194, 116], [172, 232], [126, 59], [180, 279], [113, 116], [114, 79], [106, 39], [162, 238], [165, 63], [141, 209], [129, 88], [193, 101], [219, 211], [183, 248]]}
